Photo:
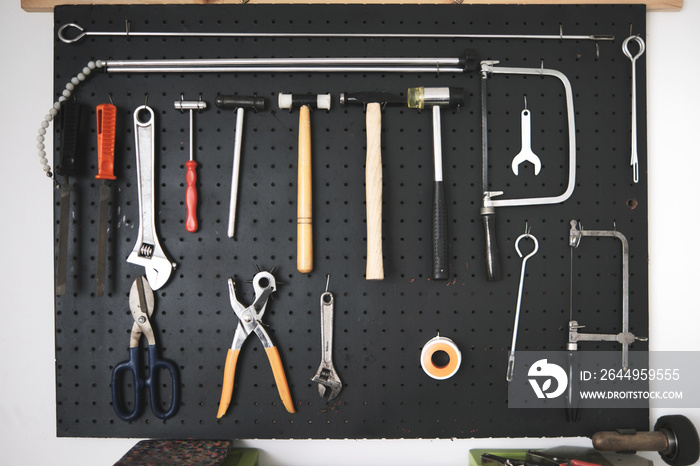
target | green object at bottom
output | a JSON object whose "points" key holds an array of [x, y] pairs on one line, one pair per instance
{"points": [[475, 455], [242, 457]]}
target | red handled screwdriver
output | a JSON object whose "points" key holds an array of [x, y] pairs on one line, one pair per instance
{"points": [[106, 135], [191, 194]]}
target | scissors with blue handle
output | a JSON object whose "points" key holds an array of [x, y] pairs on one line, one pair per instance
{"points": [[141, 302]]}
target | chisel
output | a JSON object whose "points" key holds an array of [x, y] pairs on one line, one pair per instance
{"points": [[106, 129], [70, 124]]}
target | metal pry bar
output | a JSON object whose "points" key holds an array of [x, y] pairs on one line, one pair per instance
{"points": [[625, 337], [79, 33]]}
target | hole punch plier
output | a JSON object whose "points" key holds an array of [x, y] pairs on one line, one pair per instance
{"points": [[250, 321]]}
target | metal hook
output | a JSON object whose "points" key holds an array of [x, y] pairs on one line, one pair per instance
{"points": [[127, 27], [542, 67], [110, 98], [561, 32], [534, 240], [597, 51], [525, 99], [328, 280], [182, 99], [63, 38], [626, 49], [145, 103], [511, 353]]}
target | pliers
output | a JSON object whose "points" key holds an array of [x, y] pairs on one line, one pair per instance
{"points": [[250, 321], [534, 458]]}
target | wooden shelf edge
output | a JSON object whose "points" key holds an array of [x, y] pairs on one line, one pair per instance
{"points": [[652, 5]]}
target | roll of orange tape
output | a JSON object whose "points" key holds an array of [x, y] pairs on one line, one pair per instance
{"points": [[436, 370]]}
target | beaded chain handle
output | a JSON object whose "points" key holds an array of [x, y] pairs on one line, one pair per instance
{"points": [[70, 87]]}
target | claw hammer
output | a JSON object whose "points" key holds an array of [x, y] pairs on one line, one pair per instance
{"points": [[374, 102], [304, 102]]}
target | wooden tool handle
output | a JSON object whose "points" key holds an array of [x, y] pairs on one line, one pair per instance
{"points": [[373, 187], [304, 211]]}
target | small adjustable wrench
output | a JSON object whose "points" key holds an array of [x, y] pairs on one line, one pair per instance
{"points": [[326, 376], [147, 251]]}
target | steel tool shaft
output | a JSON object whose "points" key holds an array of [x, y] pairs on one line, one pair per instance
{"points": [[72, 32]]}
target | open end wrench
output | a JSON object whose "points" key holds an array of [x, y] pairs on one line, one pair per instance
{"points": [[326, 376], [147, 251], [526, 154]]}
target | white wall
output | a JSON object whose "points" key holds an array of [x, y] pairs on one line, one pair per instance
{"points": [[27, 397]]}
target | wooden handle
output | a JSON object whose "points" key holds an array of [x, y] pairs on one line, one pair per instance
{"points": [[640, 441], [373, 186], [304, 211]]}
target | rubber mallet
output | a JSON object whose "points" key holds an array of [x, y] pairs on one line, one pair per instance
{"points": [[436, 97], [304, 102]]}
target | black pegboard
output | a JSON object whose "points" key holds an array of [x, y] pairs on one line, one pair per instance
{"points": [[380, 327]]}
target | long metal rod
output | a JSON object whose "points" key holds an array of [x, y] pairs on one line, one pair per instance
{"points": [[79, 32], [290, 65], [288, 69], [272, 61]]}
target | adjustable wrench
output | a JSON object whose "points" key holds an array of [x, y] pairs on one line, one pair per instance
{"points": [[326, 376], [147, 251]]}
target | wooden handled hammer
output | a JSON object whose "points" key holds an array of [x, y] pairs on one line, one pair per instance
{"points": [[373, 101], [304, 102]]}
